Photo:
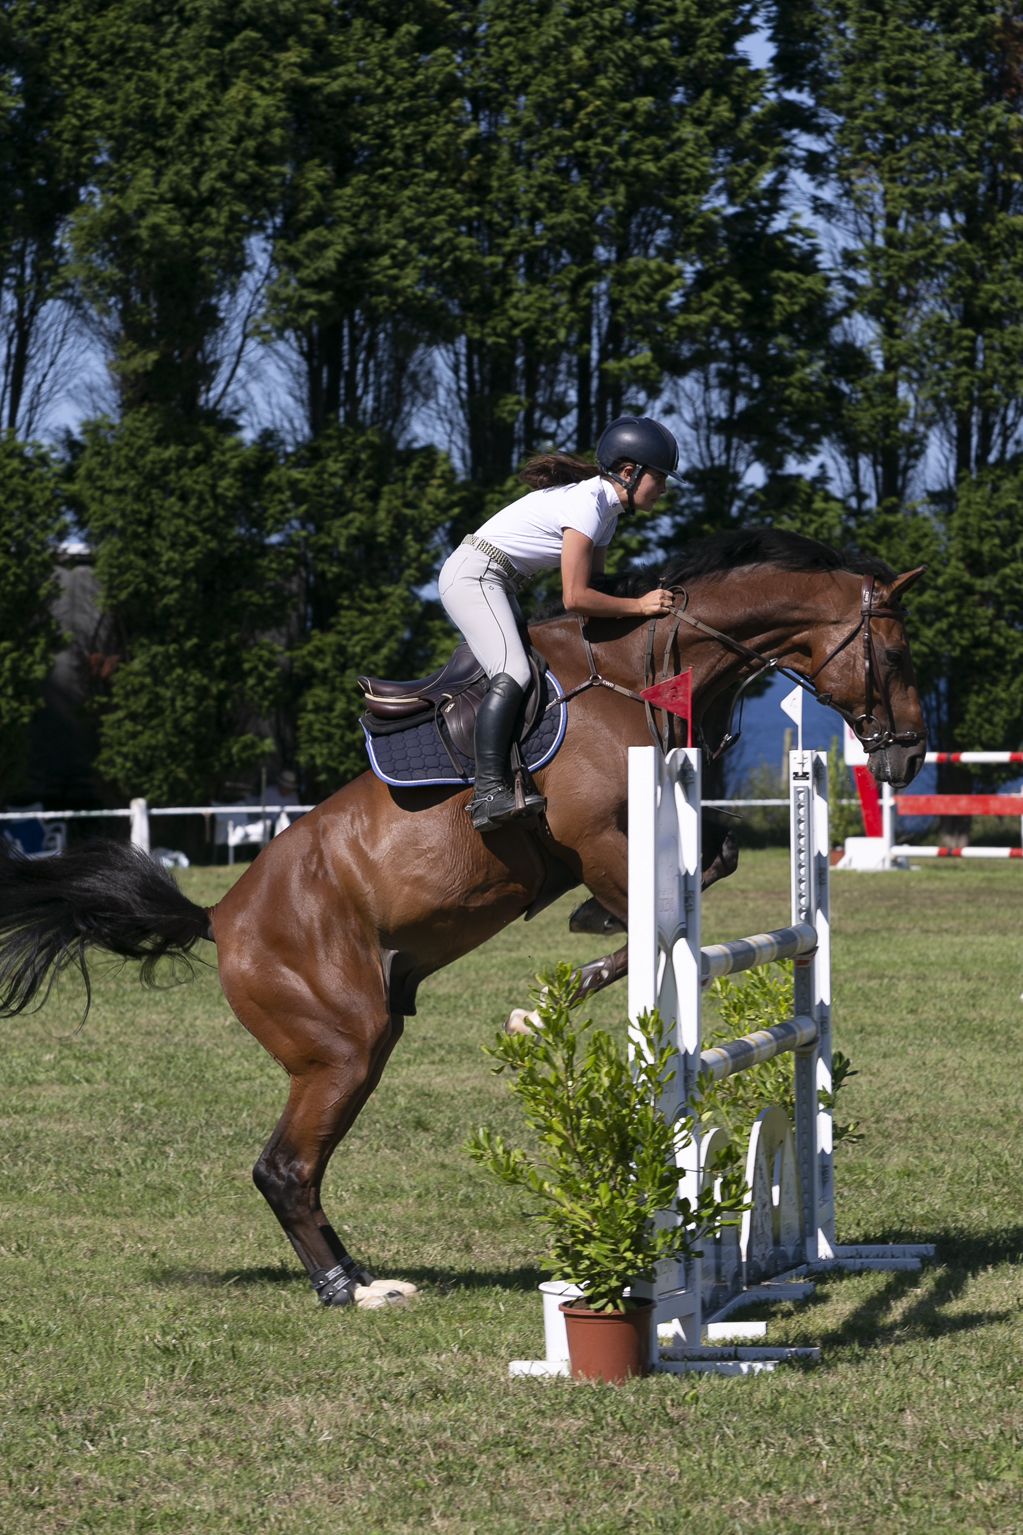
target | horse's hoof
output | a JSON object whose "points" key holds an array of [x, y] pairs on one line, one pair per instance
{"points": [[520, 1021], [383, 1292], [592, 917]]}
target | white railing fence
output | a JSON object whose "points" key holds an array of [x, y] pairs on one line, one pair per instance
{"points": [[43, 832]]}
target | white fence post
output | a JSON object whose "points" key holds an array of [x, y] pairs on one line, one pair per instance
{"points": [[788, 1235], [140, 824], [888, 823]]}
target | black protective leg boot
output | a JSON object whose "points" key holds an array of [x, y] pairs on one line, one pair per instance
{"points": [[493, 800]]}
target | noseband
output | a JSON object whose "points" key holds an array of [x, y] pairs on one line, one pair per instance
{"points": [[872, 735]]}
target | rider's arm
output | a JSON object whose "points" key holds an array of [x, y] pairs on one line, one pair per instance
{"points": [[579, 562]]}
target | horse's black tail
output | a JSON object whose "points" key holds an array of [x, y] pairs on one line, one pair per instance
{"points": [[107, 895]]}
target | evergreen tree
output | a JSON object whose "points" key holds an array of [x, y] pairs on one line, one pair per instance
{"points": [[194, 580], [31, 517], [185, 138], [915, 154], [364, 209], [910, 114], [369, 524], [42, 172], [966, 622], [605, 149], [493, 227], [981, 701]]}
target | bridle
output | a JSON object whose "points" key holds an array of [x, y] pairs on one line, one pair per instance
{"points": [[872, 735]]}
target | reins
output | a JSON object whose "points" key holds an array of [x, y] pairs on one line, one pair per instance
{"points": [[872, 735], [595, 680]]}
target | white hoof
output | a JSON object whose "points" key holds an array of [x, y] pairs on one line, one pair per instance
{"points": [[383, 1292], [522, 1022]]}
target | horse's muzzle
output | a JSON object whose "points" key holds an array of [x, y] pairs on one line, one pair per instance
{"points": [[896, 764]]}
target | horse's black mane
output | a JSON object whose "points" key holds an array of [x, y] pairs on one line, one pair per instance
{"points": [[720, 552]]}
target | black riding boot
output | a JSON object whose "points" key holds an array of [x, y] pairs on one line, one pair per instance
{"points": [[493, 800]]}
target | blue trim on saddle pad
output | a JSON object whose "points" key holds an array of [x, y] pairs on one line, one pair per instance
{"points": [[416, 759]]}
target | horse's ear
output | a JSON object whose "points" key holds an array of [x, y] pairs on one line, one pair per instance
{"points": [[900, 586]]}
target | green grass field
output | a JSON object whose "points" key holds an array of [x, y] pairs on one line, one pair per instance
{"points": [[167, 1368]]}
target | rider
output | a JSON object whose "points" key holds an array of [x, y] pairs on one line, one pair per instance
{"points": [[568, 519]]}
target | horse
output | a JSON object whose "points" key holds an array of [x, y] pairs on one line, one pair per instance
{"points": [[323, 941]]}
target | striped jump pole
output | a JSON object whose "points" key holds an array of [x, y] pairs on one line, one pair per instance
{"points": [[789, 1234], [913, 850], [965, 805], [879, 849], [960, 805], [989, 758]]}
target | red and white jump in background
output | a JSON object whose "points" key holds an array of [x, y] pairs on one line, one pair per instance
{"points": [[879, 812]]}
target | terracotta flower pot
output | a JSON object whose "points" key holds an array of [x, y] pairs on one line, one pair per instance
{"points": [[608, 1345]]}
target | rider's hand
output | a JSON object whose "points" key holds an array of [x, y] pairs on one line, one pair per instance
{"points": [[655, 604]]}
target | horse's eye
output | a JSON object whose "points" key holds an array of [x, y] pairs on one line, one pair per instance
{"points": [[894, 656]]}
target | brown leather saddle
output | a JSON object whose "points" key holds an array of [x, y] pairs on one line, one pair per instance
{"points": [[449, 697]]}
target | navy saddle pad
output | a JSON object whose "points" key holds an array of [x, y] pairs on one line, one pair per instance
{"points": [[416, 758]]}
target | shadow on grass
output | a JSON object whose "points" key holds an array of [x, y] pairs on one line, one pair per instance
{"points": [[448, 1279], [435, 1279], [905, 1306], [254, 1278], [912, 1305]]}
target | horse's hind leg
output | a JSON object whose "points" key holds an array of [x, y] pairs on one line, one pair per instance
{"points": [[333, 1037], [321, 1108]]}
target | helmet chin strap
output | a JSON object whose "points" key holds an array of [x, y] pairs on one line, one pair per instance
{"points": [[630, 485]]}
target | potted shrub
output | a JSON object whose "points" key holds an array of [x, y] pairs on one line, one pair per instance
{"points": [[601, 1170]]}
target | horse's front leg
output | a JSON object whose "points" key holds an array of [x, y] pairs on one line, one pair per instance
{"points": [[592, 977], [606, 873], [591, 917], [720, 858]]}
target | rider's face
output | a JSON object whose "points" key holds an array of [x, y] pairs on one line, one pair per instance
{"points": [[650, 489], [648, 492]]}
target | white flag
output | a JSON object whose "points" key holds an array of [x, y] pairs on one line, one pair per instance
{"points": [[792, 705], [855, 756]]}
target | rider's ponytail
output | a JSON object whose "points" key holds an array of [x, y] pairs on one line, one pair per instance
{"points": [[547, 469]]}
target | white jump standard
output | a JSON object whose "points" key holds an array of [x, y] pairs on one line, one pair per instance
{"points": [[789, 1234]]}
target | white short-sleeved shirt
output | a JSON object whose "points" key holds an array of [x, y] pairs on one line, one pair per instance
{"points": [[530, 531]]}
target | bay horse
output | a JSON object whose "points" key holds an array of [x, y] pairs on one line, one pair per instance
{"points": [[323, 941]]}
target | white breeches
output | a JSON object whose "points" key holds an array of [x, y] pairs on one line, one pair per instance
{"points": [[477, 597]]}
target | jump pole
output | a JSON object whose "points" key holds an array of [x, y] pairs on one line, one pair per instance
{"points": [[789, 1235], [879, 849]]}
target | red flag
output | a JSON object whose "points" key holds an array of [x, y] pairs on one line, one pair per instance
{"points": [[675, 695]]}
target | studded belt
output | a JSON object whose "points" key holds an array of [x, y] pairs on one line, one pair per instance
{"points": [[500, 559]]}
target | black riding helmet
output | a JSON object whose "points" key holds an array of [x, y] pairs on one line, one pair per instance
{"points": [[636, 440]]}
